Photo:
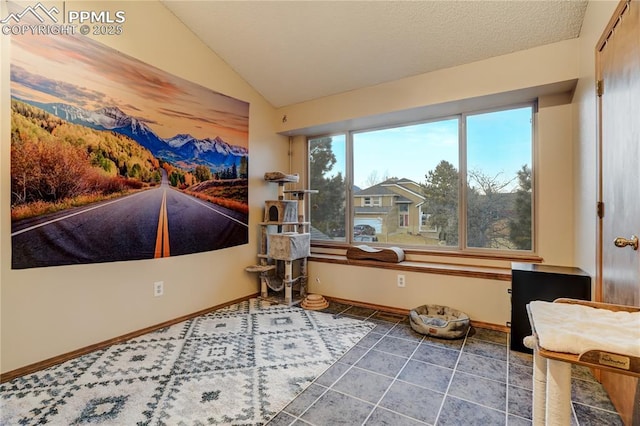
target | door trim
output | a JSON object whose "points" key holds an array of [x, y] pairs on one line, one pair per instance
{"points": [[602, 42]]}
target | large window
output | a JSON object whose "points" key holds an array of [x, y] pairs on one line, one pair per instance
{"points": [[462, 182]]}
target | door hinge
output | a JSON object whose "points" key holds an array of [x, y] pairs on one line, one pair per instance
{"points": [[600, 209], [600, 87]]}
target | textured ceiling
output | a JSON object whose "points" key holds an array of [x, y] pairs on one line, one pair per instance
{"points": [[293, 51]]}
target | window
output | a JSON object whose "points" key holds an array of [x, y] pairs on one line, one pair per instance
{"points": [[327, 170], [403, 217], [371, 201], [462, 182], [499, 147]]}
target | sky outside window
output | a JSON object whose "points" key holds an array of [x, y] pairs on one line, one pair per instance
{"points": [[499, 143], [404, 152]]}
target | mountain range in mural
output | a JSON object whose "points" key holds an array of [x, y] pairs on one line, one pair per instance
{"points": [[182, 149]]}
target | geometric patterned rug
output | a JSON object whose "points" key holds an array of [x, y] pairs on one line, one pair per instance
{"points": [[238, 365]]}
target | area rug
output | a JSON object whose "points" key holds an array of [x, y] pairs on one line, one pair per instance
{"points": [[239, 365]]}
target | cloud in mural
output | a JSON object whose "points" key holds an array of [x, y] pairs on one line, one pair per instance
{"points": [[66, 60]]}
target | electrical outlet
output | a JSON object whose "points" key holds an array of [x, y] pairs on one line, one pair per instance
{"points": [[158, 288], [401, 280]]}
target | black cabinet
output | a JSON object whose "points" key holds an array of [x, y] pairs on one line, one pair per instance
{"points": [[541, 282]]}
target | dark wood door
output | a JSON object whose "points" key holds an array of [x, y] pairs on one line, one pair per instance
{"points": [[618, 63]]}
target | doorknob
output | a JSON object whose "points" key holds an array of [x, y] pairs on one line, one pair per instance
{"points": [[623, 242]]}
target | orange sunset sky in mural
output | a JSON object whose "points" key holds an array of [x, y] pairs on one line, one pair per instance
{"points": [[84, 73]]}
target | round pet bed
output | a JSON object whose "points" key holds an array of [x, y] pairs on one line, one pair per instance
{"points": [[439, 321]]}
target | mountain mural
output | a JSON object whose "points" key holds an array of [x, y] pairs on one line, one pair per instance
{"points": [[182, 149]]}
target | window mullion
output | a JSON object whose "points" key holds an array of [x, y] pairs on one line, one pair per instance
{"points": [[349, 203], [462, 183]]}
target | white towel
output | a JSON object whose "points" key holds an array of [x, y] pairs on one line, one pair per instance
{"points": [[570, 328]]}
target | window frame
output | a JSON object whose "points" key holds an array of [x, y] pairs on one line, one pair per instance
{"points": [[462, 249]]}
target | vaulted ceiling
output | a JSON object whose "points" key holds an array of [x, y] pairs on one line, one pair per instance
{"points": [[294, 51]]}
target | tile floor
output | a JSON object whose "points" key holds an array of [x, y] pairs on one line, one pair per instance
{"points": [[397, 377]]}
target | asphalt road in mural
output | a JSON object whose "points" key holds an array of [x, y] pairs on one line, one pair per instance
{"points": [[155, 223]]}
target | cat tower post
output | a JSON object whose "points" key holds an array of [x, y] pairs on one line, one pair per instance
{"points": [[284, 244], [304, 228], [597, 335]]}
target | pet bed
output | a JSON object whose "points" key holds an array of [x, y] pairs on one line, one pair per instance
{"points": [[386, 254], [439, 321]]}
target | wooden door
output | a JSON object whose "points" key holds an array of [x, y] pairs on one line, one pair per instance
{"points": [[618, 277]]}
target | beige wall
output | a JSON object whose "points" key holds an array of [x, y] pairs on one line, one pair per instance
{"points": [[554, 202], [50, 311], [528, 68], [565, 156], [484, 300], [481, 299]]}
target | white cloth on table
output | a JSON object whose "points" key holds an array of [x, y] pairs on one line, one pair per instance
{"points": [[572, 328]]}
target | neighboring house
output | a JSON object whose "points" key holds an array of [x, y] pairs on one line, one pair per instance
{"points": [[391, 207]]}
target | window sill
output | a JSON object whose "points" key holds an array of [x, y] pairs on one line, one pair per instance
{"points": [[341, 248], [472, 271]]}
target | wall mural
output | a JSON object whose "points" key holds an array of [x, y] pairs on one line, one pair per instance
{"points": [[113, 159]]}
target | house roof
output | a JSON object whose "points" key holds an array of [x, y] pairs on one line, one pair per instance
{"points": [[403, 200], [394, 187], [375, 190]]}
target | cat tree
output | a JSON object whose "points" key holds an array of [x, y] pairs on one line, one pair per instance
{"points": [[284, 244]]}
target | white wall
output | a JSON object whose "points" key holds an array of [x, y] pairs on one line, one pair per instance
{"points": [[46, 312]]}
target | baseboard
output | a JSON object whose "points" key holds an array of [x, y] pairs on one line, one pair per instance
{"points": [[401, 311], [382, 308], [32, 368], [490, 326]]}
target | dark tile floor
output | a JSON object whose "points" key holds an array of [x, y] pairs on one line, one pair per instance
{"points": [[395, 376]]}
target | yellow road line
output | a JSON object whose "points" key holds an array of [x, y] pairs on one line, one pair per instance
{"points": [[162, 235]]}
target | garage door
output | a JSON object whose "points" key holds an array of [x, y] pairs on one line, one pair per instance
{"points": [[375, 222]]}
